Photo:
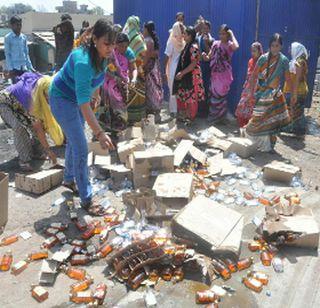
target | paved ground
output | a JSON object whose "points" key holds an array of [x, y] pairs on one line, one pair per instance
{"points": [[298, 286]]}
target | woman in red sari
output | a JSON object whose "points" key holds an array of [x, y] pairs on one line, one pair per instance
{"points": [[246, 104], [188, 83]]}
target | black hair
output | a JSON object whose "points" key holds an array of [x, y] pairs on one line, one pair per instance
{"points": [[179, 14], [101, 28], [85, 24], [224, 27], [122, 38], [207, 23], [192, 32], [15, 19], [276, 37], [117, 27], [65, 17], [151, 28]]}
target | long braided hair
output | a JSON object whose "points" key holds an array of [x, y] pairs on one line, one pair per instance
{"points": [[274, 38], [150, 26]]}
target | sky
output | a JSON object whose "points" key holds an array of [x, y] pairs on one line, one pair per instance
{"points": [[50, 5]]}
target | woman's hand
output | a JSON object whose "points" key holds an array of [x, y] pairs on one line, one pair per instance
{"points": [[105, 141], [230, 32], [52, 156], [205, 57], [179, 76], [293, 99], [95, 102]]}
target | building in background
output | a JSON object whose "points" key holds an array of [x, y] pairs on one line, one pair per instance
{"points": [[70, 7]]}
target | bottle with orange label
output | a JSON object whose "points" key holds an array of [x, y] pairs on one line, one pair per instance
{"points": [[9, 240], [221, 269], [82, 297], [254, 246], [81, 285], [262, 277], [33, 256], [232, 266], [104, 251], [265, 257], [136, 281], [89, 232], [75, 273], [6, 261], [253, 284], [206, 297], [244, 263]]}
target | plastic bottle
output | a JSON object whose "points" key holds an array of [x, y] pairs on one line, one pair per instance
{"points": [[253, 284], [6, 261], [244, 263], [9, 240]]}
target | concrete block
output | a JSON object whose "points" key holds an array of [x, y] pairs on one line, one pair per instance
{"points": [[127, 147], [174, 189], [39, 182], [211, 225], [302, 221], [280, 172], [131, 133], [243, 147], [148, 164], [181, 151]]}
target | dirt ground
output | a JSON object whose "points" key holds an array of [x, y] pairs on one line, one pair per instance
{"points": [[298, 286]]}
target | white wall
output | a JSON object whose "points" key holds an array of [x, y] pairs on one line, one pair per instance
{"points": [[36, 21]]}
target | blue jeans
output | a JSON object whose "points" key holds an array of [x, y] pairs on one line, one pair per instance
{"points": [[70, 118]]}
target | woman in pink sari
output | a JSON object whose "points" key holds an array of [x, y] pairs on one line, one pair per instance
{"points": [[122, 71], [221, 72]]}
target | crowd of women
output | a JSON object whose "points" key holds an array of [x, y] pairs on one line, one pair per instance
{"points": [[114, 78]]}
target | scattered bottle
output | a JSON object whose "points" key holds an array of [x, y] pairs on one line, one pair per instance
{"points": [[81, 225], [49, 242], [273, 250], [39, 293], [19, 267], [78, 243], [260, 239], [232, 266], [154, 275], [6, 261], [59, 226], [244, 263], [265, 257], [254, 246], [38, 255], [221, 269], [206, 297], [75, 273], [262, 277], [275, 200], [253, 284], [135, 283], [166, 273], [100, 293], [81, 285], [178, 274], [51, 232], [104, 235], [264, 201], [82, 297], [104, 251], [277, 264], [89, 232], [9, 240], [80, 260]]}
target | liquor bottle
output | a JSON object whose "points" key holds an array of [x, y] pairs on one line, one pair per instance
{"points": [[260, 239], [89, 232], [264, 201], [81, 225], [221, 269], [39, 293], [19, 267], [51, 231], [78, 243], [9, 240], [100, 293], [166, 273], [6, 261], [154, 275], [254, 246], [75, 273], [135, 283], [49, 242], [59, 226], [178, 274], [81, 285], [80, 260], [38, 255], [206, 297], [262, 277], [275, 200], [244, 263], [265, 257], [232, 266], [253, 284], [273, 250], [104, 251], [82, 297], [179, 257]]}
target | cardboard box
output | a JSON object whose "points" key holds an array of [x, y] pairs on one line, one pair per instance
{"points": [[118, 174], [174, 189], [4, 198], [39, 182], [280, 172], [127, 147], [216, 132], [102, 161], [302, 221], [243, 147], [96, 149], [220, 165], [198, 155], [148, 164], [212, 225], [131, 133], [219, 144], [181, 151]]}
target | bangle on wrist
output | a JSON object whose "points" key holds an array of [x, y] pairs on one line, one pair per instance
{"points": [[99, 134]]}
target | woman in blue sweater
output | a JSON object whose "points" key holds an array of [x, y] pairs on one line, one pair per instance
{"points": [[74, 89]]}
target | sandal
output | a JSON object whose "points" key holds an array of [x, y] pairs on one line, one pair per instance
{"points": [[94, 208], [25, 167], [72, 186]]}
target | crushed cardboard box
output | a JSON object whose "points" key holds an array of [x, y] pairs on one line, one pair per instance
{"points": [[280, 172], [4, 193], [181, 151], [243, 147], [39, 182], [219, 165], [174, 189], [216, 132], [148, 164], [198, 155], [218, 143], [212, 225], [127, 147]]}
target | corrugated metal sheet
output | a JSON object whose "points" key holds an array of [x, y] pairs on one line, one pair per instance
{"points": [[296, 20]]}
